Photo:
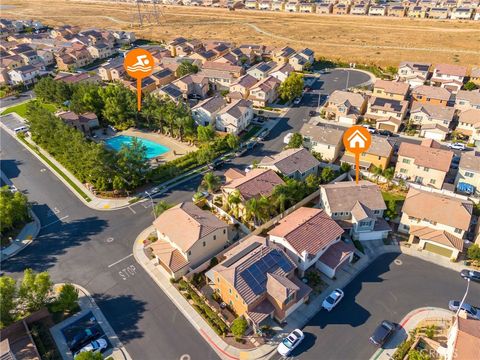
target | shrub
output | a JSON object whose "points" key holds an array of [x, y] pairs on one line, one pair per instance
{"points": [[473, 252], [239, 326], [403, 349], [213, 262]]}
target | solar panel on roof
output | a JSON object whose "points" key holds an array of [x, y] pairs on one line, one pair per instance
{"points": [[241, 254]]}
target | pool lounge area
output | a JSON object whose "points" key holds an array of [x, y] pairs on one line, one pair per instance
{"points": [[153, 149]]}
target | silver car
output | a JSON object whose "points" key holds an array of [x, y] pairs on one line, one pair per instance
{"points": [[472, 311]]}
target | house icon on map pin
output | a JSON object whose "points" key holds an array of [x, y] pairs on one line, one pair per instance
{"points": [[357, 140]]}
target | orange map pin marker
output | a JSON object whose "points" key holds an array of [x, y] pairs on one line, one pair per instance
{"points": [[139, 64], [357, 140]]}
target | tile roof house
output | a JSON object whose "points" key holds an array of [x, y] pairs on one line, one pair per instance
{"points": [[426, 164], [283, 54], [257, 280], [218, 79], [378, 154], [84, 122], [235, 70], [466, 100], [469, 125], [434, 131], [235, 117], [310, 236], [432, 94], [205, 112], [475, 72], [345, 107], [265, 91], [192, 84], [77, 78], [243, 85], [435, 221], [323, 140], [469, 170], [282, 71], [172, 91], [450, 77], [380, 109], [293, 163], [463, 339], [187, 237], [26, 74], [431, 114], [414, 73], [262, 69], [395, 90], [358, 209]]}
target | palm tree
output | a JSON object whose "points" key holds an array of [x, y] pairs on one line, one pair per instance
{"points": [[281, 202], [265, 209], [210, 181], [252, 210], [233, 199]]}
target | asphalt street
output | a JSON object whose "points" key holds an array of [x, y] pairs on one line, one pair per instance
{"points": [[13, 100], [94, 248], [387, 289]]}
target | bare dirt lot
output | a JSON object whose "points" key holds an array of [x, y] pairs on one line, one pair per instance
{"points": [[380, 40]]}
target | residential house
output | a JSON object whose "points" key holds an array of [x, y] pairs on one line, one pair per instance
{"points": [[24, 75], [187, 237], [306, 7], [397, 11], [73, 57], [325, 141], [378, 154], [205, 112], [439, 13], [235, 117], [265, 5], [171, 91], [77, 78], [46, 56], [466, 100], [257, 280], [235, 70], [251, 4], [261, 70], [475, 72], [302, 59], [418, 12], [218, 80], [463, 339], [450, 77], [175, 44], [340, 9], [100, 51], [436, 222], [415, 74], [430, 114], [243, 85], [345, 107], [434, 131], [426, 164], [204, 56], [469, 171], [387, 114], [163, 77], [431, 95], [312, 238], [292, 6], [324, 8], [391, 90], [294, 163], [360, 9], [278, 5], [254, 184], [377, 10], [357, 208], [282, 55], [282, 71], [192, 84], [147, 84], [85, 122], [113, 70], [469, 125], [461, 13], [265, 91]]}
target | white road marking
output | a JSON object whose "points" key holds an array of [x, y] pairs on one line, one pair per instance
{"points": [[53, 222], [132, 210], [119, 261]]}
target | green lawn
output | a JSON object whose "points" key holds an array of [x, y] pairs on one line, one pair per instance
{"points": [[21, 109], [395, 197], [251, 132]]}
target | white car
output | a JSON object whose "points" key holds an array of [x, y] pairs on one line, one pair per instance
{"points": [[290, 342], [297, 100], [249, 168], [370, 129], [457, 146], [333, 299], [287, 138], [94, 346]]}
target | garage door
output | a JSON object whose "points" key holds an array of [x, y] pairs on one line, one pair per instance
{"points": [[387, 127], [438, 250]]}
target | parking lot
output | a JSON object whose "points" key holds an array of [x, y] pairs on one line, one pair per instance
{"points": [[388, 289], [88, 321]]}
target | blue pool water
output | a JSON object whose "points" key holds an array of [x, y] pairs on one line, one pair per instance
{"points": [[153, 149]]}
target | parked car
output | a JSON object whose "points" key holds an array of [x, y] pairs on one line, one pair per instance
{"points": [[385, 132], [287, 138], [94, 346], [470, 274], [12, 188], [83, 337], [297, 101], [249, 168], [215, 164], [382, 333], [370, 129], [457, 146], [472, 311], [263, 135], [290, 342], [333, 299]]}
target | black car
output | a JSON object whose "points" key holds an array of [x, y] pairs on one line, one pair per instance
{"points": [[385, 132], [470, 274], [216, 164], [83, 337], [382, 333], [312, 113]]}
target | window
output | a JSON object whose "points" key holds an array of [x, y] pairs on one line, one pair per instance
{"points": [[426, 169], [224, 231], [458, 231], [406, 161], [231, 303], [229, 291], [403, 171], [299, 260], [433, 181], [236, 296], [218, 279], [189, 253], [376, 212], [469, 174], [214, 238], [289, 298]]}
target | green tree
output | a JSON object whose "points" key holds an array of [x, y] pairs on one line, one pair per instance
{"points": [[391, 211], [35, 289], [296, 141], [327, 175], [88, 355], [292, 87], [239, 326], [473, 252], [86, 97], [205, 133], [417, 355], [345, 167], [14, 209], [161, 207], [470, 85], [233, 141], [233, 200], [132, 162], [317, 156], [186, 68], [205, 155], [8, 292], [119, 106], [211, 182], [312, 182], [67, 300], [118, 183]]}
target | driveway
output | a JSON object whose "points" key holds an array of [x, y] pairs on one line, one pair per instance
{"points": [[389, 288]]}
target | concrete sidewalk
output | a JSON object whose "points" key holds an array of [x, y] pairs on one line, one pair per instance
{"points": [[87, 304], [408, 323]]}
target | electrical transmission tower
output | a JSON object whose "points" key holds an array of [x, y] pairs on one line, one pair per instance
{"points": [[146, 12]]}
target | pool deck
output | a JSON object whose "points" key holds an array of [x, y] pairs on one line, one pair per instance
{"points": [[176, 147]]}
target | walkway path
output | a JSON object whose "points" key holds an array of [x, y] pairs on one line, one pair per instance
{"points": [[87, 304]]}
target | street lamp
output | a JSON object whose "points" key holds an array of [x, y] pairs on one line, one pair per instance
{"points": [[151, 201], [464, 297], [348, 78]]}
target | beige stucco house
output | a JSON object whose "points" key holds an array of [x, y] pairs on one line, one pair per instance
{"points": [[325, 141], [469, 170]]}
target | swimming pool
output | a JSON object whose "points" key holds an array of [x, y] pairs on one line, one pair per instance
{"points": [[153, 149]]}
